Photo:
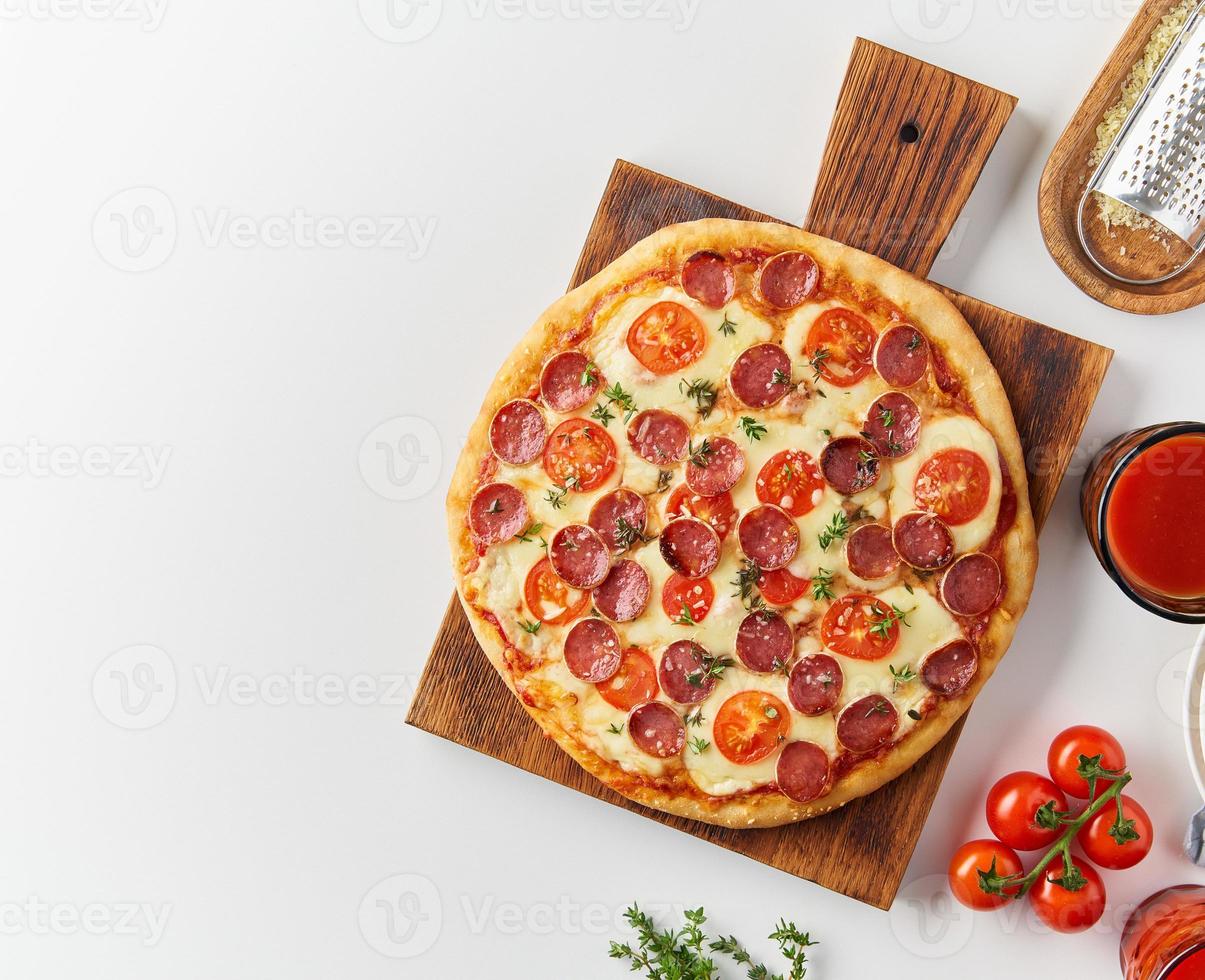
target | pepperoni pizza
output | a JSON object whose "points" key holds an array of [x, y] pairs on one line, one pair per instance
{"points": [[744, 522]]}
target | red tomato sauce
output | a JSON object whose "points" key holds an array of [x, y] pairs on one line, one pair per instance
{"points": [[1155, 521], [1192, 968]]}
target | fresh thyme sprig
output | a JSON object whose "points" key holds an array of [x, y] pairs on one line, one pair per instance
{"points": [[698, 744], [702, 392], [837, 528], [710, 666], [615, 395], [753, 428], [529, 533], [556, 496], [627, 534], [822, 585], [882, 627], [905, 675], [817, 361], [728, 327], [686, 617], [700, 456]]}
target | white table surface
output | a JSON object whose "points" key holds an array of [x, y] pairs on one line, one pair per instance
{"points": [[182, 412]]}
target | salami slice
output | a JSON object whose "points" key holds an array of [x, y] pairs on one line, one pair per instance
{"points": [[869, 552], [660, 437], [579, 556], [497, 513], [620, 518], [716, 466], [893, 425], [518, 432], [850, 465], [802, 771], [690, 547], [708, 278], [683, 672], [901, 355], [624, 593], [592, 651], [867, 724], [657, 730], [788, 279], [815, 684], [761, 375], [923, 540], [568, 381], [949, 669], [769, 536], [764, 641], [972, 585]]}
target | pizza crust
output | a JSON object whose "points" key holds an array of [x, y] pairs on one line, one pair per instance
{"points": [[944, 327]]}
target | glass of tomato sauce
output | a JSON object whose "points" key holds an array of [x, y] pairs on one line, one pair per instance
{"points": [[1143, 502], [1164, 938]]}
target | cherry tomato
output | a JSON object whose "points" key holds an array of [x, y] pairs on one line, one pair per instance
{"points": [[979, 855], [1068, 911], [579, 455], [954, 484], [680, 595], [1101, 848], [780, 587], [861, 626], [1085, 740], [718, 511], [634, 683], [550, 599], [749, 726], [666, 338], [1012, 804], [790, 480], [840, 345]]}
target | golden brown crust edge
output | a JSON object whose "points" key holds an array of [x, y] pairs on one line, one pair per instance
{"points": [[944, 326]]}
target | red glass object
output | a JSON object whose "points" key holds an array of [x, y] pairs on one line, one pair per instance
{"points": [[1164, 938]]}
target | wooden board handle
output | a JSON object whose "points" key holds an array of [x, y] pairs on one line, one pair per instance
{"points": [[907, 145]]}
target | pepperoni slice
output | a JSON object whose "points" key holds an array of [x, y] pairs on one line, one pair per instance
{"points": [[901, 355], [840, 345], [769, 536], [660, 437], [620, 518], [815, 684], [690, 547], [761, 375], [718, 511], [592, 651], [715, 467], [683, 672], [624, 593], [657, 730], [579, 556], [568, 381], [972, 585], [518, 432], [867, 723], [788, 279], [749, 726], [780, 587], [790, 480], [687, 600], [802, 771], [497, 513], [948, 670], [764, 641], [893, 425], [923, 540], [850, 465], [634, 683], [708, 278], [860, 626], [869, 552], [955, 484], [579, 455], [550, 600], [666, 338]]}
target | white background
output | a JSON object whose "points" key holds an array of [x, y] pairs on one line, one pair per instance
{"points": [[265, 824]]}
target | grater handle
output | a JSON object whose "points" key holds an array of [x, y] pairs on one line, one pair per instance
{"points": [[1092, 257]]}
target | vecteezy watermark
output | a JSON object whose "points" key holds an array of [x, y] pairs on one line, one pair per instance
{"points": [[303, 688], [940, 21], [407, 21], [1172, 693], [137, 230], [927, 921], [36, 459], [148, 14], [402, 459], [401, 916], [35, 917], [135, 688]]}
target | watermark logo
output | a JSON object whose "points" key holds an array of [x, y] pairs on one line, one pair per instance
{"points": [[928, 922], [401, 916], [36, 459], [35, 917], [1171, 686], [135, 688], [401, 21], [933, 21], [402, 459], [135, 229], [146, 13]]}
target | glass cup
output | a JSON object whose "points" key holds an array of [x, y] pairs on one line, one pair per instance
{"points": [[1164, 938], [1095, 495]]}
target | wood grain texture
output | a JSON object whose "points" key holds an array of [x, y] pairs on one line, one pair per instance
{"points": [[895, 199], [863, 849], [1068, 172]]}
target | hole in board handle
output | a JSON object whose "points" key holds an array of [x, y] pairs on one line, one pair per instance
{"points": [[909, 133]]}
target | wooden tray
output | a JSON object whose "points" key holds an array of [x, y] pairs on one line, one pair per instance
{"points": [[1068, 172], [917, 190]]}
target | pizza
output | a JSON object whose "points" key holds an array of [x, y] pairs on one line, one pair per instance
{"points": [[743, 522]]}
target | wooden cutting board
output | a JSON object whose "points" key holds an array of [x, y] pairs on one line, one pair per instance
{"points": [[886, 195]]}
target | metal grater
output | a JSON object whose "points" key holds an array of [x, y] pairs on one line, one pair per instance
{"points": [[1156, 164]]}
